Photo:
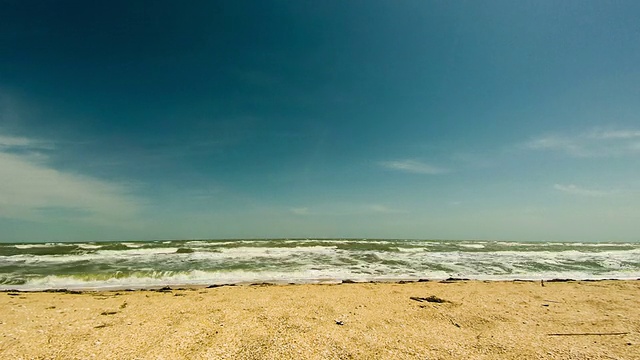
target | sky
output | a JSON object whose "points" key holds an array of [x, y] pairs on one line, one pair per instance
{"points": [[498, 120]]}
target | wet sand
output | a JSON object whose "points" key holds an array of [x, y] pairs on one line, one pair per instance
{"points": [[477, 320]]}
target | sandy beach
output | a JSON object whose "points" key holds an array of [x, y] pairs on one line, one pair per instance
{"points": [[475, 320]]}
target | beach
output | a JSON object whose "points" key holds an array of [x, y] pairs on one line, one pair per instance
{"points": [[414, 320]]}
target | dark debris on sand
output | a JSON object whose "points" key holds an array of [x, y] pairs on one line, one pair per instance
{"points": [[431, 299]]}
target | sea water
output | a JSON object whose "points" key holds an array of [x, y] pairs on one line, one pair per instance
{"points": [[140, 264]]}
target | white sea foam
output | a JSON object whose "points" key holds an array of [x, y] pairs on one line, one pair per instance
{"points": [[412, 250], [472, 246], [255, 252], [197, 277], [45, 245], [139, 251], [197, 243], [29, 246], [89, 246], [413, 256], [100, 255], [133, 245], [254, 261]]}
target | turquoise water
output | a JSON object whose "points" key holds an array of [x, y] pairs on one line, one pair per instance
{"points": [[204, 262]]}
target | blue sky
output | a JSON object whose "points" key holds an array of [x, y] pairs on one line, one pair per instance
{"points": [[416, 119]]}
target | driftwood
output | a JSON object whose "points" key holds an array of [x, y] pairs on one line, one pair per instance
{"points": [[432, 298], [588, 334]]}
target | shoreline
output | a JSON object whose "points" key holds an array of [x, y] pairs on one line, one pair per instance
{"points": [[188, 286]]}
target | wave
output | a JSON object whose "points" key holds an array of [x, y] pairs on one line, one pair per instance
{"points": [[204, 261], [202, 278]]}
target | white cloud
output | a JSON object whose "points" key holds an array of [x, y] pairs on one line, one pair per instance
{"points": [[32, 190], [13, 141], [594, 143], [300, 211], [384, 209], [23, 145], [615, 134], [581, 191], [413, 166], [344, 209]]}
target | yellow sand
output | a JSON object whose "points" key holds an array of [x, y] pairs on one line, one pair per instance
{"points": [[483, 320]]}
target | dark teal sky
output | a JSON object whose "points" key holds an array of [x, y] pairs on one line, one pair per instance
{"points": [[421, 119]]}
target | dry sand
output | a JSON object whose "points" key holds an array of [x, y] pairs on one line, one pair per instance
{"points": [[482, 320]]}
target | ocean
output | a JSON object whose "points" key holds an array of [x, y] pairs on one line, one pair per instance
{"points": [[143, 264]]}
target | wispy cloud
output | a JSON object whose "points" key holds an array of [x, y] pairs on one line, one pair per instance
{"points": [[378, 208], [594, 143], [32, 190], [581, 191], [14, 141], [614, 134], [345, 209], [300, 210], [413, 166]]}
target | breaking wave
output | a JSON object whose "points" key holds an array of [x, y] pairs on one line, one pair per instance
{"points": [[201, 262]]}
